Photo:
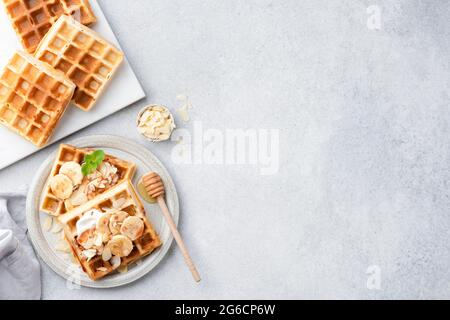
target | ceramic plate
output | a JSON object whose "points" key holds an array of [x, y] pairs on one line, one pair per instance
{"points": [[45, 242]]}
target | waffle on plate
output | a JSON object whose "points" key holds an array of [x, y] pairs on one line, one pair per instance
{"points": [[33, 97], [67, 188], [110, 231], [83, 55], [31, 19]]}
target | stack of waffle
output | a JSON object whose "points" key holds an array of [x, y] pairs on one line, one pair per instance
{"points": [[55, 31], [119, 232], [79, 52], [31, 19]]}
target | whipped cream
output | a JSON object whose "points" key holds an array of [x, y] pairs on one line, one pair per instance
{"points": [[88, 221], [156, 123]]}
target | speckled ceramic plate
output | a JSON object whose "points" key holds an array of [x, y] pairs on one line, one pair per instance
{"points": [[45, 242]]}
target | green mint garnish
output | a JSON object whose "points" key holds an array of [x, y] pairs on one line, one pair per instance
{"points": [[92, 161]]}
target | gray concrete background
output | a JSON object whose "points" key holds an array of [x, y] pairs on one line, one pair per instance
{"points": [[364, 158]]}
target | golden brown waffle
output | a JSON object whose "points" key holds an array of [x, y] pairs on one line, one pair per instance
{"points": [[51, 204], [33, 97], [31, 19], [88, 59], [122, 197]]}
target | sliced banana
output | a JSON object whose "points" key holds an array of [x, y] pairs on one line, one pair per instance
{"points": [[115, 222], [106, 254], [61, 186], [120, 246], [106, 237], [103, 224], [99, 240], [78, 198], [72, 170], [68, 205], [132, 227]]}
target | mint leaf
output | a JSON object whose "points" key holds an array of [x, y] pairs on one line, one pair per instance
{"points": [[92, 161], [86, 169], [97, 157]]}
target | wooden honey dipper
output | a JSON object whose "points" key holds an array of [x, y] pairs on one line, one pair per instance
{"points": [[155, 189]]}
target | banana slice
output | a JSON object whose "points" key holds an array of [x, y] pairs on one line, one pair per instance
{"points": [[106, 254], [72, 170], [132, 227], [78, 198], [103, 224], [120, 246], [61, 186], [115, 222]]}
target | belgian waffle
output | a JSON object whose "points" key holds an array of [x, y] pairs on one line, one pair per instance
{"points": [[51, 204], [31, 19], [33, 97], [123, 197], [83, 55]]}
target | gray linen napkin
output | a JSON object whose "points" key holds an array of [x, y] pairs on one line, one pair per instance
{"points": [[20, 276]]}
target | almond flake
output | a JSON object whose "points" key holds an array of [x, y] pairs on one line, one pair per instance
{"points": [[184, 113], [115, 262], [105, 238], [100, 249], [102, 269], [106, 254], [89, 243], [89, 254], [57, 228], [47, 224], [62, 246]]}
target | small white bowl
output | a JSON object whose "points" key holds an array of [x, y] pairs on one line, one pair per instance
{"points": [[148, 108]]}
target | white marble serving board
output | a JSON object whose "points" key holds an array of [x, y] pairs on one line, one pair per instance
{"points": [[123, 90]]}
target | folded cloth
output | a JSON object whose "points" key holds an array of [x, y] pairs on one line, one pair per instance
{"points": [[20, 275]]}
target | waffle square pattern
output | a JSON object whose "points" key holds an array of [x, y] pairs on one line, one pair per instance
{"points": [[120, 235], [83, 55], [33, 97], [113, 171], [31, 19]]}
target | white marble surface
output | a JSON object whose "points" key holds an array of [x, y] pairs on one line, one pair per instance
{"points": [[364, 160]]}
